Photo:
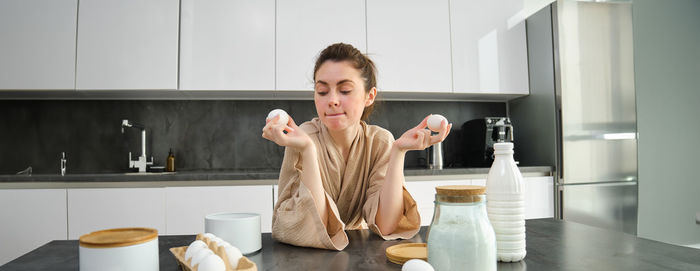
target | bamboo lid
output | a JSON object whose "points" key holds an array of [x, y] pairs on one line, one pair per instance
{"points": [[460, 193], [118, 237], [401, 253], [460, 190]]}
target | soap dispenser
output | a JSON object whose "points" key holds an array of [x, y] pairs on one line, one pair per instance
{"points": [[171, 162]]}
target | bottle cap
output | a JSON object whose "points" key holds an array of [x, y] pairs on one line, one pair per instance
{"points": [[503, 148]]}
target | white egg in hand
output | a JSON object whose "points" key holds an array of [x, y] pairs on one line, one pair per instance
{"points": [[434, 122], [284, 117], [212, 263], [234, 255], [417, 265], [193, 248]]}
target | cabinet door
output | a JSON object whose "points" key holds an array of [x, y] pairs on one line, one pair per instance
{"points": [[305, 28], [37, 44], [410, 44], [227, 45], [186, 207], [487, 55], [127, 44], [423, 192], [98, 209], [539, 197], [30, 218]]}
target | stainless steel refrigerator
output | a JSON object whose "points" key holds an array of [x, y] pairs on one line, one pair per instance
{"points": [[583, 52]]}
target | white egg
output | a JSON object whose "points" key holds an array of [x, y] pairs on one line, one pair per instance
{"points": [[193, 248], [284, 117], [209, 235], [434, 122], [212, 263], [234, 255], [218, 241], [200, 255], [417, 265]]}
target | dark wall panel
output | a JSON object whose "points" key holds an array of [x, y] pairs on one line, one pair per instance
{"points": [[204, 135]]}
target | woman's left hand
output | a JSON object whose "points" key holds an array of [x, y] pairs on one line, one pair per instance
{"points": [[419, 138]]}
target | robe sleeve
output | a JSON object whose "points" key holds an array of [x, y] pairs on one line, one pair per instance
{"points": [[295, 218], [409, 224]]}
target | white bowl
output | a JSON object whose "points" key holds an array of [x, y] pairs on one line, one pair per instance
{"points": [[241, 230]]}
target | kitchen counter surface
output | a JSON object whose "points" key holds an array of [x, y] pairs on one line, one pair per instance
{"points": [[551, 245], [241, 177]]}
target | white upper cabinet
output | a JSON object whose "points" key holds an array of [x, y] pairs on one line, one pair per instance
{"points": [[305, 28], [127, 44], [410, 44], [487, 56], [227, 45], [37, 44]]}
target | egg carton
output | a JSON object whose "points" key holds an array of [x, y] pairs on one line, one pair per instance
{"points": [[244, 264]]}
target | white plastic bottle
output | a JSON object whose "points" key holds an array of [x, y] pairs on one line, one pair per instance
{"points": [[506, 204]]}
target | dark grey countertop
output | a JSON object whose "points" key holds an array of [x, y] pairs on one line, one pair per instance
{"points": [[226, 175], [551, 245]]}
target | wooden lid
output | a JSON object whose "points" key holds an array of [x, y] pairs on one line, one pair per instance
{"points": [[118, 237], [401, 253], [460, 193], [460, 190]]}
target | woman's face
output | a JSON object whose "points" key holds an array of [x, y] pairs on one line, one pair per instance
{"points": [[339, 95]]}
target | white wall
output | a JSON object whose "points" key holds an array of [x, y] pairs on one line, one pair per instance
{"points": [[667, 79]]}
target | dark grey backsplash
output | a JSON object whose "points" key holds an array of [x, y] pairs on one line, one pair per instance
{"points": [[204, 135]]}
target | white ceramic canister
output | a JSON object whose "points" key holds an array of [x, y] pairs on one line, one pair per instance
{"points": [[242, 230], [134, 249]]}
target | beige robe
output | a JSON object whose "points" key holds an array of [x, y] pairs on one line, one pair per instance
{"points": [[352, 191]]}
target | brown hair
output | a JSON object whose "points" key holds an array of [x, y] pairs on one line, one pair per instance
{"points": [[345, 52]]}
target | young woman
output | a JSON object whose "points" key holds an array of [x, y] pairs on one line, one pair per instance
{"points": [[339, 172]]}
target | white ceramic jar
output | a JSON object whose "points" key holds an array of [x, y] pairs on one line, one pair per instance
{"points": [[119, 249], [242, 230]]}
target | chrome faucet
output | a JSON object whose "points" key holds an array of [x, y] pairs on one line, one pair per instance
{"points": [[63, 163], [142, 161]]}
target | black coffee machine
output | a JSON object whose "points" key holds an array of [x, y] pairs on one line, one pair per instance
{"points": [[478, 137]]}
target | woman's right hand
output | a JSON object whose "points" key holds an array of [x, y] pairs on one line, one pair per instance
{"points": [[294, 136]]}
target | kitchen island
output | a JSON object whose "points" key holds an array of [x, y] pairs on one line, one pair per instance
{"points": [[551, 245]]}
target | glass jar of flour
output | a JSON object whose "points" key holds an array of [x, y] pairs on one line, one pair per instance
{"points": [[460, 236]]}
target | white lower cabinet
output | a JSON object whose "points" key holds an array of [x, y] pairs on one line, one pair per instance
{"points": [[186, 207], [539, 196], [105, 208], [30, 218]]}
